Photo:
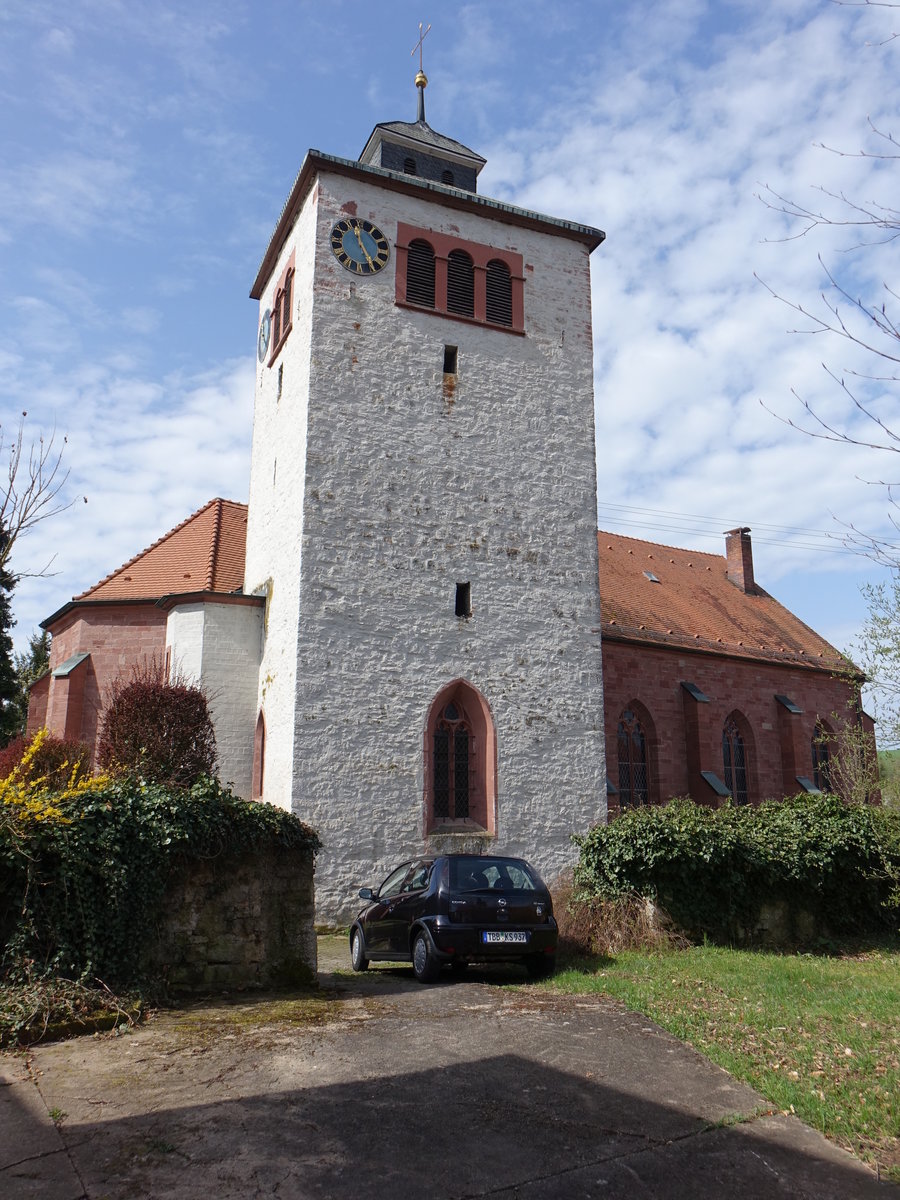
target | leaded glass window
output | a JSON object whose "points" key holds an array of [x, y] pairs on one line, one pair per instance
{"points": [[820, 759], [734, 761], [632, 754], [451, 758]]}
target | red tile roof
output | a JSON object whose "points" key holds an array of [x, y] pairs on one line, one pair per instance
{"points": [[695, 605], [205, 553]]}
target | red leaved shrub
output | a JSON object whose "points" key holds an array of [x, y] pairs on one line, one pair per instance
{"points": [[158, 726]]}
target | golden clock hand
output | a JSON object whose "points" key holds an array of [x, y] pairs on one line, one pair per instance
{"points": [[362, 245]]}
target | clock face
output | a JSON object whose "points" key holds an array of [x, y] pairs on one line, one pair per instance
{"points": [[265, 330], [359, 246]]}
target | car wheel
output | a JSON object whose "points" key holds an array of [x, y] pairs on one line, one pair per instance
{"points": [[425, 966], [358, 960], [541, 966]]}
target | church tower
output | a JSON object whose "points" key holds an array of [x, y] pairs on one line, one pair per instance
{"points": [[422, 516]]}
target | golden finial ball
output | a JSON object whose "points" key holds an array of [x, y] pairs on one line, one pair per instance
{"points": [[421, 79]]}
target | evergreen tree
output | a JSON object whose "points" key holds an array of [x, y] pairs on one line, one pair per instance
{"points": [[30, 665], [9, 683]]}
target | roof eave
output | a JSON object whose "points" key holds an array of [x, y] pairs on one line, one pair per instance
{"points": [[316, 161], [681, 643], [71, 605], [173, 599]]}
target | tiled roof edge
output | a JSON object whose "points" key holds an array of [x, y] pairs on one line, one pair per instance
{"points": [[624, 633], [159, 541]]}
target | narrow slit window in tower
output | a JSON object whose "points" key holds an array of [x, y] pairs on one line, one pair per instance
{"points": [[464, 599], [280, 379], [451, 358]]}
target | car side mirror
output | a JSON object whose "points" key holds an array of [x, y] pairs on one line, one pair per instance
{"points": [[366, 894]]}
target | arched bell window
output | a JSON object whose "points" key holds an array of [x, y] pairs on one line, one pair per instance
{"points": [[498, 293], [632, 756], [460, 283], [734, 761], [420, 273]]}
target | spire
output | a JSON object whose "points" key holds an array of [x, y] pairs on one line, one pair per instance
{"points": [[421, 77]]}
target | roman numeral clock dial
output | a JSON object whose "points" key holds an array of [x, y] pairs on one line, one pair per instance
{"points": [[359, 246]]}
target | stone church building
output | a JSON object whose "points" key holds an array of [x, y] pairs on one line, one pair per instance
{"points": [[402, 630]]}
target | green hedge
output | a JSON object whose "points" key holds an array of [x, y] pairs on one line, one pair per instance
{"points": [[80, 893], [712, 869]]}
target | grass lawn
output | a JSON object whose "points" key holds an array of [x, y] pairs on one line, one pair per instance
{"points": [[818, 1037]]}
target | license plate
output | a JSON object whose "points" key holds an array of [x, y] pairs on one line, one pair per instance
{"points": [[506, 935]]}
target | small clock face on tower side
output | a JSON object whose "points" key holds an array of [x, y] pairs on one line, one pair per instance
{"points": [[265, 329], [359, 246]]}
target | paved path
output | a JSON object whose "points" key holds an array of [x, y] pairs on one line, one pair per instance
{"points": [[463, 1089]]}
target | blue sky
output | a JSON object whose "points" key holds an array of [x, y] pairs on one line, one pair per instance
{"points": [[146, 152]]}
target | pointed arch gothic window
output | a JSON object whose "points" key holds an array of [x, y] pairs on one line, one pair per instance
{"points": [[460, 761], [460, 283], [734, 761], [259, 758], [420, 273], [820, 757], [632, 755], [452, 754]]}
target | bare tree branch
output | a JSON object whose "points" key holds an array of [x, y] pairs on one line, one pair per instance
{"points": [[34, 482]]}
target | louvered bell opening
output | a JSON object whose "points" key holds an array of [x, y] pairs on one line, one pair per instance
{"points": [[286, 301], [420, 274], [499, 293], [460, 284]]}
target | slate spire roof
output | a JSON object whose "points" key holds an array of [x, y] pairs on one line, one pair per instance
{"points": [[205, 553], [421, 131], [692, 604]]}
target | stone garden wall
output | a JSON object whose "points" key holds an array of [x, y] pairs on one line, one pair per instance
{"points": [[239, 923]]}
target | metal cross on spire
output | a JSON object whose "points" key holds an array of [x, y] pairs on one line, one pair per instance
{"points": [[418, 46], [421, 77]]}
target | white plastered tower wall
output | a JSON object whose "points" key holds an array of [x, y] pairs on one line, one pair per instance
{"points": [[276, 506], [395, 492]]}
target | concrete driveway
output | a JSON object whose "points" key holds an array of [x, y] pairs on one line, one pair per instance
{"points": [[385, 1088]]}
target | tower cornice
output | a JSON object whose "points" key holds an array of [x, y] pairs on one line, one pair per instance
{"points": [[317, 162]]}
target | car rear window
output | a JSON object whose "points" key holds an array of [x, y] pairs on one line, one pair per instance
{"points": [[490, 874]]}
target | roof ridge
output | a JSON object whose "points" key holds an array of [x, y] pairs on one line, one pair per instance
{"points": [[659, 545], [214, 546], [147, 550]]}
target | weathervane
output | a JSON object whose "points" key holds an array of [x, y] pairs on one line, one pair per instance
{"points": [[421, 77]]}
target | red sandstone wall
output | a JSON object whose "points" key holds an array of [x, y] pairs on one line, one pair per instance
{"points": [[117, 638], [779, 744]]}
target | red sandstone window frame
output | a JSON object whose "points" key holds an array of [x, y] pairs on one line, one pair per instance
{"points": [[442, 244], [282, 307], [482, 791], [737, 733]]}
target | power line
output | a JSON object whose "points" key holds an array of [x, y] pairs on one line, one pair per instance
{"points": [[795, 537]]}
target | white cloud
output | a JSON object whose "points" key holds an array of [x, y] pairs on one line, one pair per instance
{"points": [[146, 455]]}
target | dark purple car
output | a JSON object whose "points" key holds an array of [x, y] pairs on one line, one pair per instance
{"points": [[457, 909]]}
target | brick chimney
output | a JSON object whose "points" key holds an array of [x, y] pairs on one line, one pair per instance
{"points": [[739, 554]]}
